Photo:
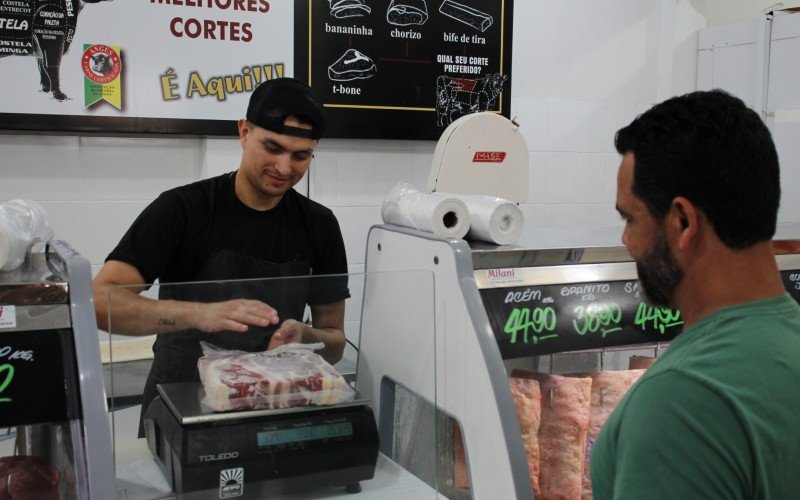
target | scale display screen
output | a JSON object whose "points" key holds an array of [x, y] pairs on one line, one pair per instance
{"points": [[281, 436]]}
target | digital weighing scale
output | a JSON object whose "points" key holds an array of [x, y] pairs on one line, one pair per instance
{"points": [[257, 452]]}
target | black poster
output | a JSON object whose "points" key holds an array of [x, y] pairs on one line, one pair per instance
{"points": [[404, 69], [536, 320], [791, 280], [36, 384]]}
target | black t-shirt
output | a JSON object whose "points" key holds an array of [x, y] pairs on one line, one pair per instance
{"points": [[175, 236]]}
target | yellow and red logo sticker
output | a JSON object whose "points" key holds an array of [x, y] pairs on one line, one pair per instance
{"points": [[102, 71]]}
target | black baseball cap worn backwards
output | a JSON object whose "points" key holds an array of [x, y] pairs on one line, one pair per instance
{"points": [[273, 100]]}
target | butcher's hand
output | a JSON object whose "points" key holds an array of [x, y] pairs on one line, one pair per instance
{"points": [[233, 315], [290, 332]]}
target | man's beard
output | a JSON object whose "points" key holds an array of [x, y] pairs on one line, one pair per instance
{"points": [[658, 271]]}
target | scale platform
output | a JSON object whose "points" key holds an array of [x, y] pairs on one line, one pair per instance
{"points": [[184, 401], [254, 453]]}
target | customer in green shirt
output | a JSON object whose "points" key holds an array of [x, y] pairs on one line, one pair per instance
{"points": [[718, 416]]}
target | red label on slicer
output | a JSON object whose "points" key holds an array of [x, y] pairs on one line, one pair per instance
{"points": [[489, 157]]}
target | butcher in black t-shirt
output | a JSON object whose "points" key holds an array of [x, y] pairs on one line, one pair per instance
{"points": [[246, 224]]}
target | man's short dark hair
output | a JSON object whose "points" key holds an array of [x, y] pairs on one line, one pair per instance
{"points": [[712, 149]]}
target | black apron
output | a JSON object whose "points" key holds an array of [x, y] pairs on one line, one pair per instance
{"points": [[175, 354]]}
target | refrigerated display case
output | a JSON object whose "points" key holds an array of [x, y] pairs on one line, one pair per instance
{"points": [[551, 303], [56, 439]]}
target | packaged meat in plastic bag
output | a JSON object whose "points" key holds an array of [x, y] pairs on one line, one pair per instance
{"points": [[291, 375]]}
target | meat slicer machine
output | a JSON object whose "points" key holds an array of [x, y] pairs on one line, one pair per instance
{"points": [[57, 439], [455, 364]]}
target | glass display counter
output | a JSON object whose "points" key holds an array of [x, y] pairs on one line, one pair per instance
{"points": [[235, 429], [506, 315]]}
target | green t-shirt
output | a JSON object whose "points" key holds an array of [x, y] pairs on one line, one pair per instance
{"points": [[718, 416]]}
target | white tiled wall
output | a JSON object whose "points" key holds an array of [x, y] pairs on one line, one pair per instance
{"points": [[571, 93], [582, 69]]}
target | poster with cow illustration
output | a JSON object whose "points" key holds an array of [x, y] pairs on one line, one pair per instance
{"points": [[400, 69], [138, 66]]}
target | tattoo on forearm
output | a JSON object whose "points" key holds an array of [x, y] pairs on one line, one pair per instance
{"points": [[165, 322]]}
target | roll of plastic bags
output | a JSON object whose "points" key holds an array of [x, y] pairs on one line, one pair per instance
{"points": [[436, 213], [493, 219], [23, 224]]}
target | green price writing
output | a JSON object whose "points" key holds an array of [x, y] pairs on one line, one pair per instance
{"points": [[531, 322], [9, 376], [661, 318], [602, 317]]}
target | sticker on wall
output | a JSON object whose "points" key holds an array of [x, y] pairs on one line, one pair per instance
{"points": [[8, 317], [102, 70]]}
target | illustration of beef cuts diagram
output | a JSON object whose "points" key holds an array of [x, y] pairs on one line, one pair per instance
{"points": [[456, 97], [405, 68], [46, 25]]}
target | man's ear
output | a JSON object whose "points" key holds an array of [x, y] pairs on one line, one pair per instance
{"points": [[243, 131], [684, 221]]}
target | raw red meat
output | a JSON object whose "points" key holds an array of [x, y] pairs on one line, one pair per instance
{"points": [[24, 477], [607, 390], [292, 375], [528, 401], [562, 433]]}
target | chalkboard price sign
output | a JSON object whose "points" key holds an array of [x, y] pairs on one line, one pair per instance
{"points": [[37, 383], [535, 320], [791, 280]]}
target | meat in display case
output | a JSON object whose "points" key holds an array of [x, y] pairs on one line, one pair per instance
{"points": [[56, 439], [535, 345]]}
